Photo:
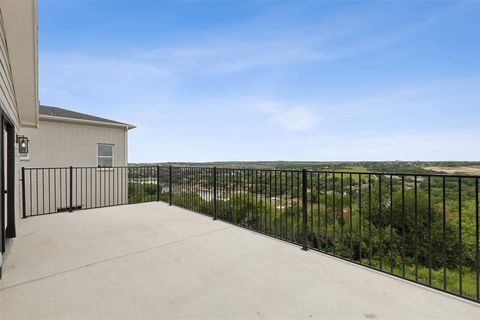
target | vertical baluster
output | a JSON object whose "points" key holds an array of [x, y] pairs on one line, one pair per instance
{"points": [[391, 224], [334, 213], [370, 220], [460, 247], [477, 241], [351, 214], [444, 223], [415, 212], [429, 195], [341, 214], [403, 225], [319, 226], [360, 217]]}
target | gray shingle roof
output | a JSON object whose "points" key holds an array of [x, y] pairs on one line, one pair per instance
{"points": [[64, 113]]}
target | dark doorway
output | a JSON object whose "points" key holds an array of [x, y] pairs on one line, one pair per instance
{"points": [[7, 181]]}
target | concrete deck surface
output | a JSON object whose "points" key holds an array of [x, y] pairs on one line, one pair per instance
{"points": [[154, 261]]}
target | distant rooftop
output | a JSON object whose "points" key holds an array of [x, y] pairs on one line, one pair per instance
{"points": [[64, 113]]}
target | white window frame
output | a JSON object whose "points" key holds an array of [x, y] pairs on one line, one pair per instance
{"points": [[112, 156]]}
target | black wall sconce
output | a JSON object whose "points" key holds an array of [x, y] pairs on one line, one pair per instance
{"points": [[22, 144]]}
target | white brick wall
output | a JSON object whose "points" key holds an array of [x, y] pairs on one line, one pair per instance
{"points": [[63, 144]]}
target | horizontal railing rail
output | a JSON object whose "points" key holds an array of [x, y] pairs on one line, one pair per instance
{"points": [[419, 227]]}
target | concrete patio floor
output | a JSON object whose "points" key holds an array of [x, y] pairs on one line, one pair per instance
{"points": [[155, 261]]}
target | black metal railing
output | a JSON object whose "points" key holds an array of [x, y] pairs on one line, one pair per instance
{"points": [[53, 190], [423, 227]]}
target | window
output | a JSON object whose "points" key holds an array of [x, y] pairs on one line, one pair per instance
{"points": [[105, 156]]}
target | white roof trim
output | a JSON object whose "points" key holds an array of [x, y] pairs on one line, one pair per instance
{"points": [[83, 121]]}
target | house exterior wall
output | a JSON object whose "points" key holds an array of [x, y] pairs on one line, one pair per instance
{"points": [[7, 92], [63, 144], [9, 107], [59, 144], [18, 84]]}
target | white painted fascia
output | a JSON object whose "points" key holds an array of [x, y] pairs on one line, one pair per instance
{"points": [[83, 121]]}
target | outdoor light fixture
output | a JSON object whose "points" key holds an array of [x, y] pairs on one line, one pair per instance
{"points": [[22, 144]]}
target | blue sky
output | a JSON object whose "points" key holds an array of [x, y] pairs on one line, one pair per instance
{"points": [[276, 80]]}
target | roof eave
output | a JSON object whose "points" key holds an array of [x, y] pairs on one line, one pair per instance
{"points": [[90, 122], [20, 19]]}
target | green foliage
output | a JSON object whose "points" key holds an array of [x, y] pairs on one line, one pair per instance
{"points": [[141, 192]]}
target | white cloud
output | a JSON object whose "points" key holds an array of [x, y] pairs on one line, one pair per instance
{"points": [[104, 70], [101, 82], [409, 145], [222, 55], [286, 115], [249, 46], [295, 119]]}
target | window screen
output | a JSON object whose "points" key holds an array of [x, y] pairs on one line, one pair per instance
{"points": [[105, 155]]}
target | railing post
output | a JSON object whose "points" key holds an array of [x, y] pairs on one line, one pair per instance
{"points": [[304, 209], [24, 209], [170, 170], [71, 189], [158, 183], [214, 193]]}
